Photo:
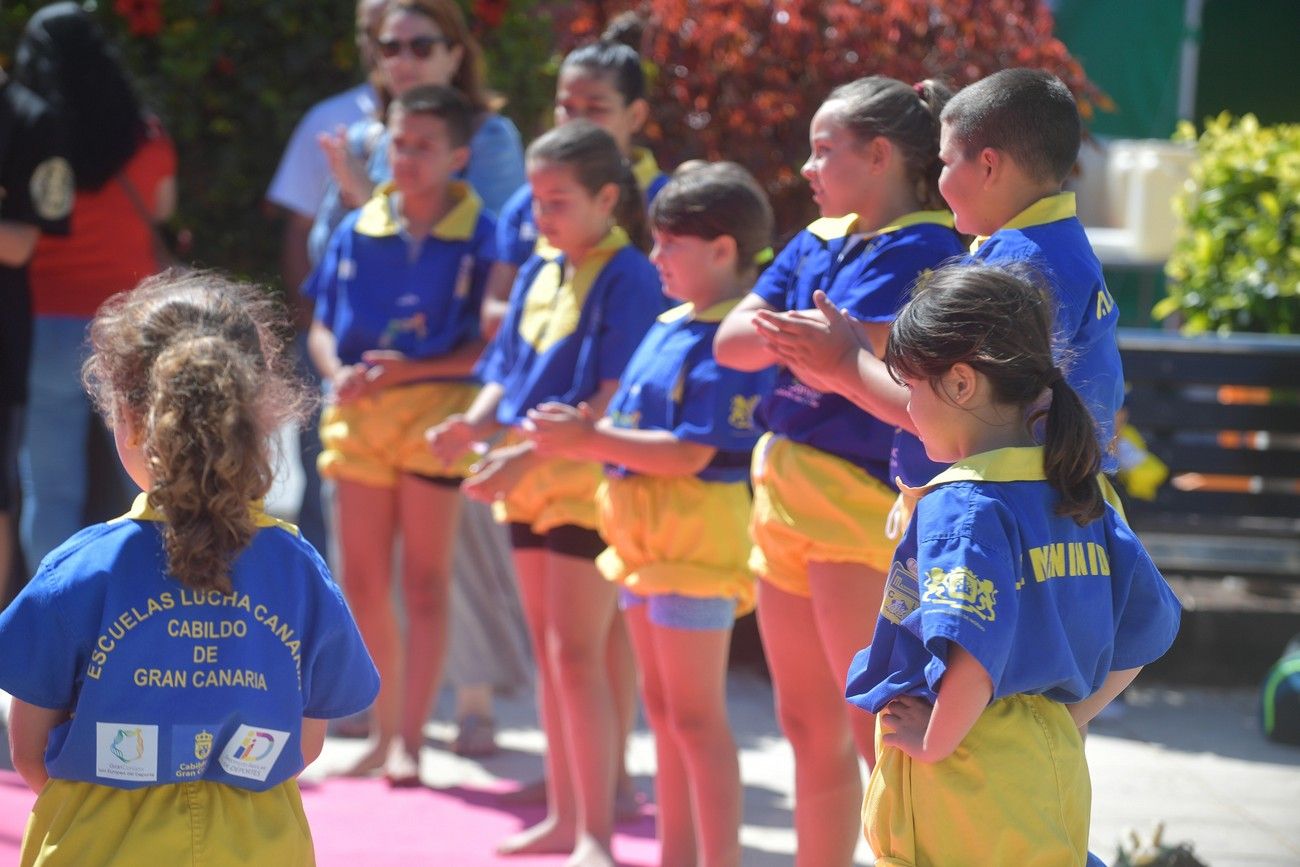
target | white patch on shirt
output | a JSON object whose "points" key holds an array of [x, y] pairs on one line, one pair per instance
{"points": [[51, 189], [347, 269], [251, 752], [410, 299], [126, 751]]}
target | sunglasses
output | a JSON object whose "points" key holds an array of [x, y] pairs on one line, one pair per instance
{"points": [[420, 47]]}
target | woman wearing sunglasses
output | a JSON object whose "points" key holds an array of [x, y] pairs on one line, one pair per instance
{"points": [[420, 42]]}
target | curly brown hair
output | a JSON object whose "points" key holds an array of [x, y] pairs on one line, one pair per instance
{"points": [[194, 360]]}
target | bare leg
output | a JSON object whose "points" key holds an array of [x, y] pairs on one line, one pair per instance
{"points": [[581, 608], [428, 514], [558, 831], [672, 791], [846, 598], [367, 521], [693, 666], [813, 714]]}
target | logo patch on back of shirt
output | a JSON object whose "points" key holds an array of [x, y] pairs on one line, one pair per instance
{"points": [[191, 750], [901, 594], [741, 416], [251, 752], [961, 589], [126, 751]]}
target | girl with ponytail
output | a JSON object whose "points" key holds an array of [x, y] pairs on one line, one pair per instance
{"points": [[1019, 603], [194, 640]]}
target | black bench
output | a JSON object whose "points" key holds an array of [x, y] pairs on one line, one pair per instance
{"points": [[1224, 414]]}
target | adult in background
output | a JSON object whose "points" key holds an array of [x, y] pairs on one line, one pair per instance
{"points": [[298, 189], [125, 166], [35, 196]]}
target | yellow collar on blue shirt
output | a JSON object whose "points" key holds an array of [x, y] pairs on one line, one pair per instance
{"points": [[1048, 209], [378, 218], [1016, 464], [644, 167], [830, 228], [713, 313], [143, 510]]}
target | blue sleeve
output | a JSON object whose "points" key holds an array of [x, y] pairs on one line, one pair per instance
{"points": [[511, 246], [632, 302], [496, 162], [338, 678], [717, 407], [774, 284], [1147, 612], [322, 285], [40, 663], [499, 356], [967, 584], [886, 279]]}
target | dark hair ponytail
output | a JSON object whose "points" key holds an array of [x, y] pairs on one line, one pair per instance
{"points": [[597, 162], [999, 322]]}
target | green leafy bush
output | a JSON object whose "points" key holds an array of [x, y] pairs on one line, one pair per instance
{"points": [[1236, 263]]}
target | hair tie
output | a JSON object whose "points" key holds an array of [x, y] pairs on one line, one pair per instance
{"points": [[763, 256], [919, 87]]}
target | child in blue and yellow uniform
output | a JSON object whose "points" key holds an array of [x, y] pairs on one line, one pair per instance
{"points": [[1019, 603], [603, 82], [396, 334], [575, 317], [1007, 144], [173, 670], [676, 441], [821, 483]]}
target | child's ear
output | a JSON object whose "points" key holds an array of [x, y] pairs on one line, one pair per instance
{"points": [[607, 198], [879, 151], [724, 251], [460, 158], [960, 383], [640, 113], [993, 163]]}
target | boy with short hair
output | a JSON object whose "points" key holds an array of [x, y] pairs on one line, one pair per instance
{"points": [[1007, 144], [396, 334]]}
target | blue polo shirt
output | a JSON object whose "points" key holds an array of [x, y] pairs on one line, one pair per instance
{"points": [[377, 288], [869, 274], [672, 383], [1049, 237], [1046, 606], [565, 334], [167, 684], [517, 230]]}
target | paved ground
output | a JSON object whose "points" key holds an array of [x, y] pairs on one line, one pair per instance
{"points": [[1189, 757]]}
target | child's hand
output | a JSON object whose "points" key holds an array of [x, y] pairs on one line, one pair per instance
{"points": [[559, 430], [385, 368], [813, 344], [353, 183], [904, 722], [349, 383], [496, 475], [450, 439]]}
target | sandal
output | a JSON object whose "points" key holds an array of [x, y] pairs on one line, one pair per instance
{"points": [[476, 737]]}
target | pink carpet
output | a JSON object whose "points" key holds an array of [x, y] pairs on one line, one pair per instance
{"points": [[365, 822]]}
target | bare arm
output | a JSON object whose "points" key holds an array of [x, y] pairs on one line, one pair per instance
{"points": [[737, 344], [575, 432], [322, 348], [1115, 683], [387, 369], [17, 241], [931, 734], [457, 433], [29, 733], [313, 739], [496, 298]]}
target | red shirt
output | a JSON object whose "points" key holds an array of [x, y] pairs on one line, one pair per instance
{"points": [[109, 247]]}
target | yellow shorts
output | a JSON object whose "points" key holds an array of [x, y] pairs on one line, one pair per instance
{"points": [[554, 493], [1016, 791], [677, 535], [812, 506], [203, 824], [378, 437]]}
